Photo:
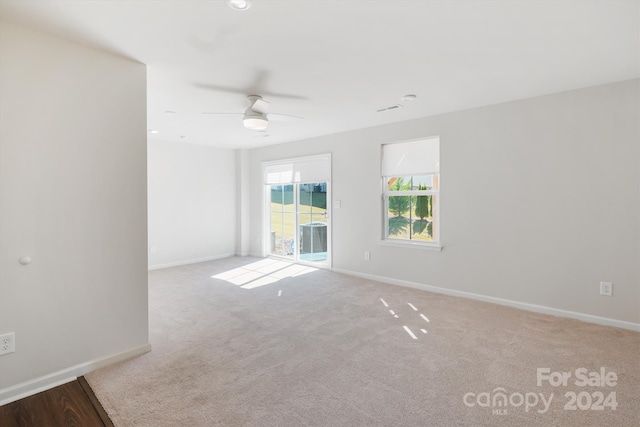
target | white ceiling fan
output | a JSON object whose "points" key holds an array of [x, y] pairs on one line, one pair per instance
{"points": [[256, 116]]}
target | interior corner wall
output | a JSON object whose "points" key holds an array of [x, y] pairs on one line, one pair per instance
{"points": [[540, 201], [73, 199], [192, 203], [243, 227]]}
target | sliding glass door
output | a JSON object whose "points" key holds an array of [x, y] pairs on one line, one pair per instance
{"points": [[297, 196], [312, 222], [283, 220], [299, 227]]}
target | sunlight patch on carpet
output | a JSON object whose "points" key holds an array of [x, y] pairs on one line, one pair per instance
{"points": [[411, 334], [405, 327], [263, 272]]}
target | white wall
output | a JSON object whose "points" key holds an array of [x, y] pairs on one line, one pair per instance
{"points": [[192, 203], [73, 197], [540, 201], [243, 203]]}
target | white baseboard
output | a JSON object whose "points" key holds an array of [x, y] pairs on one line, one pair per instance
{"points": [[31, 387], [256, 255], [189, 261], [501, 301]]}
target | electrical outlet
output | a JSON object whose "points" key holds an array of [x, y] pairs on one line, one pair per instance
{"points": [[367, 256], [606, 288], [7, 343]]}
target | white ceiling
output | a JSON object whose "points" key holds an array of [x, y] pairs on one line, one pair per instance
{"points": [[340, 61]]}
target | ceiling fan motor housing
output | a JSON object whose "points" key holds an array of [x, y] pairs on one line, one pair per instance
{"points": [[255, 117]]}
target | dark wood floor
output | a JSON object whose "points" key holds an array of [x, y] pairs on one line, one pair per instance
{"points": [[71, 404]]}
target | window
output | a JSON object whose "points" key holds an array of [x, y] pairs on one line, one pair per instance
{"points": [[411, 185]]}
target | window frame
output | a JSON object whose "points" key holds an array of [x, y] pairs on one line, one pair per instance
{"points": [[435, 191]]}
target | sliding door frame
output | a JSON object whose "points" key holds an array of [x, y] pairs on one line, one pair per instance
{"points": [[266, 213]]}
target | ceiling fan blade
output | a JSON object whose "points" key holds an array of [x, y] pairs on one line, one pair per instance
{"points": [[211, 113], [280, 116], [268, 94], [260, 84], [219, 88], [248, 91]]}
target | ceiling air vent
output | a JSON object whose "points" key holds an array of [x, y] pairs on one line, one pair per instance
{"points": [[393, 107]]}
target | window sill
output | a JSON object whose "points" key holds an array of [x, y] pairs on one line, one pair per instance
{"points": [[413, 245]]}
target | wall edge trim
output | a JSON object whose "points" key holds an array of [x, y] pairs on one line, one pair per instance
{"points": [[190, 261], [589, 318], [49, 381]]}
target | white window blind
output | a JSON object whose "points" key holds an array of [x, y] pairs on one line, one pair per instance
{"points": [[420, 157], [301, 169]]}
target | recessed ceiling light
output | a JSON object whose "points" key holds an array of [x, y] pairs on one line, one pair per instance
{"points": [[239, 4], [409, 98], [153, 131], [170, 112]]}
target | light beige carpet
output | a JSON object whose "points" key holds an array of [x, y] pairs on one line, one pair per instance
{"points": [[262, 348]]}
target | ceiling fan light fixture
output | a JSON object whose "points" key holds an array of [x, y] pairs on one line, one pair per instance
{"points": [[239, 4], [257, 122]]}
